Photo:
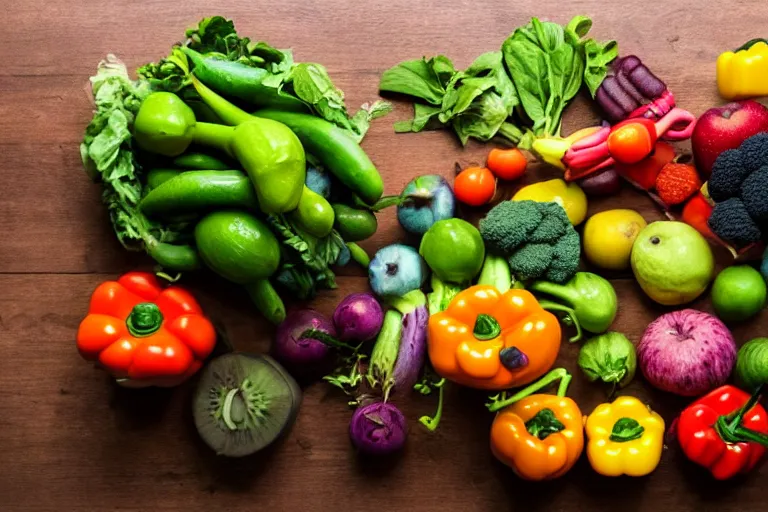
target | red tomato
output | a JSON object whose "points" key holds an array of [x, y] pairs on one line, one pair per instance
{"points": [[507, 164], [474, 186]]}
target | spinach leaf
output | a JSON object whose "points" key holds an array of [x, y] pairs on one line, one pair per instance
{"points": [[479, 99], [423, 79]]}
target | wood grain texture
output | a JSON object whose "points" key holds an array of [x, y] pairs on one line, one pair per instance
{"points": [[70, 440]]}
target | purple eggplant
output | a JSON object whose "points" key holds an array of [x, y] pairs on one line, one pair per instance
{"points": [[400, 350]]}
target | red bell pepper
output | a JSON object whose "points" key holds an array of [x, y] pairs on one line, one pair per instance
{"points": [[725, 431], [144, 334]]}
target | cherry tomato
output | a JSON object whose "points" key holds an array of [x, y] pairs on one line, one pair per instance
{"points": [[474, 186], [507, 164]]}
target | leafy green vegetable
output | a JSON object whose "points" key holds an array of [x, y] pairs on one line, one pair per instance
{"points": [[109, 158], [548, 63], [309, 82], [518, 93]]}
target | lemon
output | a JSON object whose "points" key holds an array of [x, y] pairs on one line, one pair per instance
{"points": [[568, 195], [609, 236]]}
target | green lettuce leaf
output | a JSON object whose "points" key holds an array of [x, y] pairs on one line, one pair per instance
{"points": [[108, 156]]}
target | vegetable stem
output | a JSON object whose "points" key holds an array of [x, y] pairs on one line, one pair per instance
{"points": [[213, 135], [571, 316], [556, 374], [229, 113], [432, 422]]}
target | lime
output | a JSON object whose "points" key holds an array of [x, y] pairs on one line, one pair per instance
{"points": [[738, 293]]}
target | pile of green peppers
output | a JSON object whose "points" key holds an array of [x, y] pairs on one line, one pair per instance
{"points": [[244, 179]]}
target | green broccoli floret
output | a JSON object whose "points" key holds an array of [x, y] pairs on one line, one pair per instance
{"points": [[509, 224], [537, 239], [566, 253], [554, 224], [531, 261]]}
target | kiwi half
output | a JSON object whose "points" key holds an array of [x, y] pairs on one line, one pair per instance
{"points": [[243, 403]]}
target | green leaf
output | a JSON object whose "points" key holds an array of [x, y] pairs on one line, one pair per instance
{"points": [[598, 56], [423, 79], [423, 115]]}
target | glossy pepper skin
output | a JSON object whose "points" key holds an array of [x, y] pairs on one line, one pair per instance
{"points": [[521, 348], [744, 73], [624, 438], [144, 334], [703, 441], [560, 423]]}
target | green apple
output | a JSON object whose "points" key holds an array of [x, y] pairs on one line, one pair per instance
{"points": [[454, 250], [672, 262]]}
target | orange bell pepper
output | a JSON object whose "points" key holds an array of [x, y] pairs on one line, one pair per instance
{"points": [[486, 339], [143, 334], [539, 436]]}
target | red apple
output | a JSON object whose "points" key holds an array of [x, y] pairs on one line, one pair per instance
{"points": [[725, 127]]}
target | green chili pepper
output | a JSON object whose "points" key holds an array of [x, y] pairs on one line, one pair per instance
{"points": [[269, 151]]}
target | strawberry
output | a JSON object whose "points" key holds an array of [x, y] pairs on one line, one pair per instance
{"points": [[677, 182]]}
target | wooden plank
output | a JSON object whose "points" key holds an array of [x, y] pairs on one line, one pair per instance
{"points": [[97, 447]]}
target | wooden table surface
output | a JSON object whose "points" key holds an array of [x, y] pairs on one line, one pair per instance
{"points": [[71, 441]]}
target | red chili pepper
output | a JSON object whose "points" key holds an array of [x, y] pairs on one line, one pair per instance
{"points": [[725, 431]]}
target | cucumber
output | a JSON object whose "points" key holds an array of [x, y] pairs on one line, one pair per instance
{"points": [[242, 249], [314, 214], [336, 150], [157, 177], [354, 224], [196, 191]]}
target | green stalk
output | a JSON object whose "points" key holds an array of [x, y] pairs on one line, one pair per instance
{"points": [[570, 317], [431, 422], [213, 135], [560, 374], [228, 112]]}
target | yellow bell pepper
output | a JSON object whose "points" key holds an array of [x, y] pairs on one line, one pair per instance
{"points": [[744, 73], [568, 195], [625, 438]]}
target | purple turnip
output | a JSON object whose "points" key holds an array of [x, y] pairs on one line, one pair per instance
{"points": [[358, 317], [378, 429], [302, 355], [686, 352]]}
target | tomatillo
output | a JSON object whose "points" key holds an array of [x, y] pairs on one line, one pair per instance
{"points": [[454, 250]]}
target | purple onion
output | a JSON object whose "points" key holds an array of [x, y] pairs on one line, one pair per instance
{"points": [[686, 352], [602, 183], [358, 317], [302, 355], [378, 429], [413, 349]]}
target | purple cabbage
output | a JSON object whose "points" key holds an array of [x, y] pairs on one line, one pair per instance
{"points": [[378, 429], [358, 317]]}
